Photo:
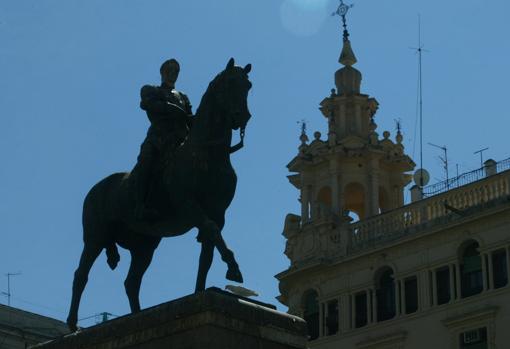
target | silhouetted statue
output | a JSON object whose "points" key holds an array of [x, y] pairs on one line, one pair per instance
{"points": [[169, 112], [190, 186]]}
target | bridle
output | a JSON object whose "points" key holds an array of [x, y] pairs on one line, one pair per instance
{"points": [[241, 142], [222, 141]]}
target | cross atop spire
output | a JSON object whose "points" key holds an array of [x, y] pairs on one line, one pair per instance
{"points": [[342, 12]]}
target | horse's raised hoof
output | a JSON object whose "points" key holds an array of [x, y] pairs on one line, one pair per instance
{"points": [[234, 275]]}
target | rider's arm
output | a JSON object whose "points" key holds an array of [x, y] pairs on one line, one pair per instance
{"points": [[187, 104], [188, 109], [151, 102]]}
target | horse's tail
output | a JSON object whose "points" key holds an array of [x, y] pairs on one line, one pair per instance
{"points": [[112, 254]]}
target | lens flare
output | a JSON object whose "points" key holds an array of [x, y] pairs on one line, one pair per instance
{"points": [[303, 17]]}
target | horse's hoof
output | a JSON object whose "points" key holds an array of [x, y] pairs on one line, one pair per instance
{"points": [[234, 275], [72, 325]]}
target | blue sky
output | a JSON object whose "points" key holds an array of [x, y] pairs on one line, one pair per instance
{"points": [[71, 72]]}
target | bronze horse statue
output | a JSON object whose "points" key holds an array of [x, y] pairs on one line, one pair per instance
{"points": [[192, 190]]}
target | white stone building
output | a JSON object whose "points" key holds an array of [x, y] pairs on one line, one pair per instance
{"points": [[430, 274]]}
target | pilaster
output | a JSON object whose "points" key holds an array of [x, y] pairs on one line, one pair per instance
{"points": [[451, 270]]}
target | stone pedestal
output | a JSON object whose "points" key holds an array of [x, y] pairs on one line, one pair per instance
{"points": [[212, 319]]}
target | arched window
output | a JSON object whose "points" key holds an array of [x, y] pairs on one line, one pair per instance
{"points": [[471, 270], [385, 294], [311, 313], [354, 195]]}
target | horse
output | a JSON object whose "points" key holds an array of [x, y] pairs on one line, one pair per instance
{"points": [[193, 189]]}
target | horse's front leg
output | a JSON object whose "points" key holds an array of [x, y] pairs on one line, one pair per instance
{"points": [[210, 226], [212, 232]]}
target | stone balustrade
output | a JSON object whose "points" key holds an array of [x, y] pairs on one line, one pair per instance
{"points": [[329, 235], [409, 218]]}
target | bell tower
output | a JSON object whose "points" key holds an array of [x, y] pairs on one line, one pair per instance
{"points": [[353, 170]]}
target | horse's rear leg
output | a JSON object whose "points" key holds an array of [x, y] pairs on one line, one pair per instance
{"points": [[88, 256], [141, 258]]}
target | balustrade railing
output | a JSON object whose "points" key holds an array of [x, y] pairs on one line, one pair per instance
{"points": [[397, 223], [465, 178]]}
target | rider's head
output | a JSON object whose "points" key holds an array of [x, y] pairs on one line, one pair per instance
{"points": [[169, 72]]}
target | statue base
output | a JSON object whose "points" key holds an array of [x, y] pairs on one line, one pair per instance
{"points": [[212, 319]]}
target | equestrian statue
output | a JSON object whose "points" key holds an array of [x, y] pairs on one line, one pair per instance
{"points": [[183, 179]]}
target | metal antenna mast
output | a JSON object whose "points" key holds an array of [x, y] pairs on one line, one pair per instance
{"points": [[8, 294], [100, 318], [420, 81], [481, 155], [419, 50], [445, 162]]}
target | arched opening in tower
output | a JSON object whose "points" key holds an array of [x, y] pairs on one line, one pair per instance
{"points": [[355, 200]]}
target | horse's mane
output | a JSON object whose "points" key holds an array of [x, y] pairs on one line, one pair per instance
{"points": [[207, 110], [206, 98]]}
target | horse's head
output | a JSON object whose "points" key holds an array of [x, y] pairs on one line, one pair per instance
{"points": [[233, 86]]}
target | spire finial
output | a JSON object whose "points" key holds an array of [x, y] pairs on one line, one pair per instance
{"points": [[347, 56], [342, 12], [303, 137], [398, 126]]}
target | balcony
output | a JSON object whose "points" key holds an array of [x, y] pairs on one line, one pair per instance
{"points": [[327, 236], [447, 202]]}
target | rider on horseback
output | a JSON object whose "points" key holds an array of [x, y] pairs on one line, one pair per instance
{"points": [[169, 112]]}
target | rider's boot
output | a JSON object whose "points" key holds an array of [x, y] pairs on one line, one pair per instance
{"points": [[144, 182]]}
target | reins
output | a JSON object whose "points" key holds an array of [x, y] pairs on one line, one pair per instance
{"points": [[241, 142], [222, 141]]}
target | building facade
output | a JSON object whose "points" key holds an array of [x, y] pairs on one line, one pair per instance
{"points": [[20, 329], [430, 274]]}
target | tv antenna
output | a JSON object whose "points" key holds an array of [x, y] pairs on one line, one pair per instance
{"points": [[444, 161], [419, 50], [104, 316], [481, 155], [100, 318], [8, 293]]}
